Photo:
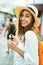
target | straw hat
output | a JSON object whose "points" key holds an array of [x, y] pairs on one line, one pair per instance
{"points": [[30, 8], [34, 9]]}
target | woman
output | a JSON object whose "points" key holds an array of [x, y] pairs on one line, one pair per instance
{"points": [[27, 49], [11, 29]]}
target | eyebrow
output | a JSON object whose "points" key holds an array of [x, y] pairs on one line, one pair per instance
{"points": [[27, 14]]}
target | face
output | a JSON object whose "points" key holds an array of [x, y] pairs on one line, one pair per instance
{"points": [[25, 18]]}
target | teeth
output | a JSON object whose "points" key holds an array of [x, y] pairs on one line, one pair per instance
{"points": [[23, 22]]}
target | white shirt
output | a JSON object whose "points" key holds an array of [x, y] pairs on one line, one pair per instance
{"points": [[30, 49]]}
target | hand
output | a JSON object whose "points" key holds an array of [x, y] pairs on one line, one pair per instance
{"points": [[11, 46], [14, 39]]}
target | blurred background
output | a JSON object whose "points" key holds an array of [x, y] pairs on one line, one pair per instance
{"points": [[7, 9]]}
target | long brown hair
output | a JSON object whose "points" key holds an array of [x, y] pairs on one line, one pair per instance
{"points": [[22, 30]]}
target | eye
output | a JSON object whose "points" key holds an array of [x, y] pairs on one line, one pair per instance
{"points": [[27, 15], [21, 15]]}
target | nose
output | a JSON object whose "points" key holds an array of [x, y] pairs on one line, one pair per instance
{"points": [[23, 18]]}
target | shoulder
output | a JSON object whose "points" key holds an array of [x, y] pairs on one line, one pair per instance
{"points": [[30, 34], [7, 27]]}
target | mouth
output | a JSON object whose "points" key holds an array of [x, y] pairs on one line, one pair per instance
{"points": [[23, 22]]}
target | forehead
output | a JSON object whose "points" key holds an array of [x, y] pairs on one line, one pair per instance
{"points": [[25, 12]]}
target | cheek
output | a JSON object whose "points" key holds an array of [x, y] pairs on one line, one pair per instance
{"points": [[29, 20]]}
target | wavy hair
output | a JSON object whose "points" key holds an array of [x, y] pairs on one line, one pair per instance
{"points": [[22, 30]]}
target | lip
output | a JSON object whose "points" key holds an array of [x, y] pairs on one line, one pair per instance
{"points": [[23, 22]]}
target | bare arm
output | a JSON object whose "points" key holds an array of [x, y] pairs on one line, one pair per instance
{"points": [[6, 29], [18, 50]]}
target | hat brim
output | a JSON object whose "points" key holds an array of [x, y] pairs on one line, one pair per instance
{"points": [[20, 8]]}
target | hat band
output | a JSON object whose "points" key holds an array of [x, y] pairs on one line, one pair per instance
{"points": [[31, 9]]}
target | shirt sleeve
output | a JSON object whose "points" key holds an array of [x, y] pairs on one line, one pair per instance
{"points": [[31, 49]]}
